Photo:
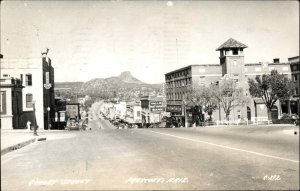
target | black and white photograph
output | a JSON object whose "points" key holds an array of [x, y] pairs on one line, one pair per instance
{"points": [[149, 95]]}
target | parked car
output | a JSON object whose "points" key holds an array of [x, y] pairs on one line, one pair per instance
{"points": [[169, 122], [297, 122], [72, 124]]}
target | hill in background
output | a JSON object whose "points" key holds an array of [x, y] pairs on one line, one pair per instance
{"points": [[125, 87]]}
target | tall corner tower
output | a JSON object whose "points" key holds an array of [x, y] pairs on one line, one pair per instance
{"points": [[232, 58]]}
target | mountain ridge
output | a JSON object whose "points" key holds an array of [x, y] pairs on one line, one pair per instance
{"points": [[115, 86]]}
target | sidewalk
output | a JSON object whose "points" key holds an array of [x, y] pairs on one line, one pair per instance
{"points": [[17, 138]]}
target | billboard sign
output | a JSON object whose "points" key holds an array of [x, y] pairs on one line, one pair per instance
{"points": [[155, 103], [157, 109]]}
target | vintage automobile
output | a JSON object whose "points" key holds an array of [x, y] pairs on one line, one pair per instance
{"points": [[72, 124]]}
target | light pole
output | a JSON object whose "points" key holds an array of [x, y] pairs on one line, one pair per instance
{"points": [[49, 124], [185, 114], [34, 120]]}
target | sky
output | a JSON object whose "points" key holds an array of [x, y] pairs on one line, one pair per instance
{"points": [[99, 39]]}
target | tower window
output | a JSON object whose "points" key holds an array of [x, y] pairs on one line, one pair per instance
{"points": [[235, 52]]}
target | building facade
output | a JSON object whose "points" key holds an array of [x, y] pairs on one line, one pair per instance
{"points": [[153, 109], [11, 113], [133, 113], [231, 65], [295, 69], [37, 76]]}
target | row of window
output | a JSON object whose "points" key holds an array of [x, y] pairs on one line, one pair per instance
{"points": [[179, 83], [3, 101], [178, 74], [175, 96], [28, 78]]}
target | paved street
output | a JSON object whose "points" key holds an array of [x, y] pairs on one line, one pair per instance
{"points": [[195, 158]]}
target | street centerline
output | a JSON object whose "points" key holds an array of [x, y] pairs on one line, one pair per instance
{"points": [[227, 147]]}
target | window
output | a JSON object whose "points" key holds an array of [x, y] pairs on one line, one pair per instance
{"points": [[3, 102], [28, 80], [235, 52], [294, 77], [138, 113], [258, 69], [21, 77], [202, 80], [29, 100]]}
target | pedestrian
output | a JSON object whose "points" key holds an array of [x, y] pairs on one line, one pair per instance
{"points": [[28, 125]]}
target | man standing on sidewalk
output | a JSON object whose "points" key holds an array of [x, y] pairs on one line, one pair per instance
{"points": [[28, 125]]}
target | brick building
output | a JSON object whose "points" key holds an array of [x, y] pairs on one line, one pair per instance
{"points": [[295, 69], [37, 76], [232, 65]]}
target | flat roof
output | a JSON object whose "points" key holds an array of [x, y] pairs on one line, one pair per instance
{"points": [[190, 66]]}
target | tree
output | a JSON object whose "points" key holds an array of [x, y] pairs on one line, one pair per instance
{"points": [[229, 95], [204, 96], [270, 88], [192, 100]]}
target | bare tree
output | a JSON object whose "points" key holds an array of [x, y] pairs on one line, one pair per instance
{"points": [[229, 95]]}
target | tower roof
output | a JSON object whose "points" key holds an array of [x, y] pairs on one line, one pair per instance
{"points": [[231, 43]]}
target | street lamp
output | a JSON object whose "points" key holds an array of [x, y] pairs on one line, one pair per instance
{"points": [[34, 120], [49, 124]]}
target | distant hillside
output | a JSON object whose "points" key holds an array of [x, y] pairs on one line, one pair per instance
{"points": [[72, 85], [125, 86]]}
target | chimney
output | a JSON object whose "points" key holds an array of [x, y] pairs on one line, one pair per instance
{"points": [[276, 60]]}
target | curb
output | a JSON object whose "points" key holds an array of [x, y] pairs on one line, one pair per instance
{"points": [[17, 146]]}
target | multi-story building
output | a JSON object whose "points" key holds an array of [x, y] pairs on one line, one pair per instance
{"points": [[153, 109], [295, 69], [37, 76], [232, 65], [11, 114]]}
